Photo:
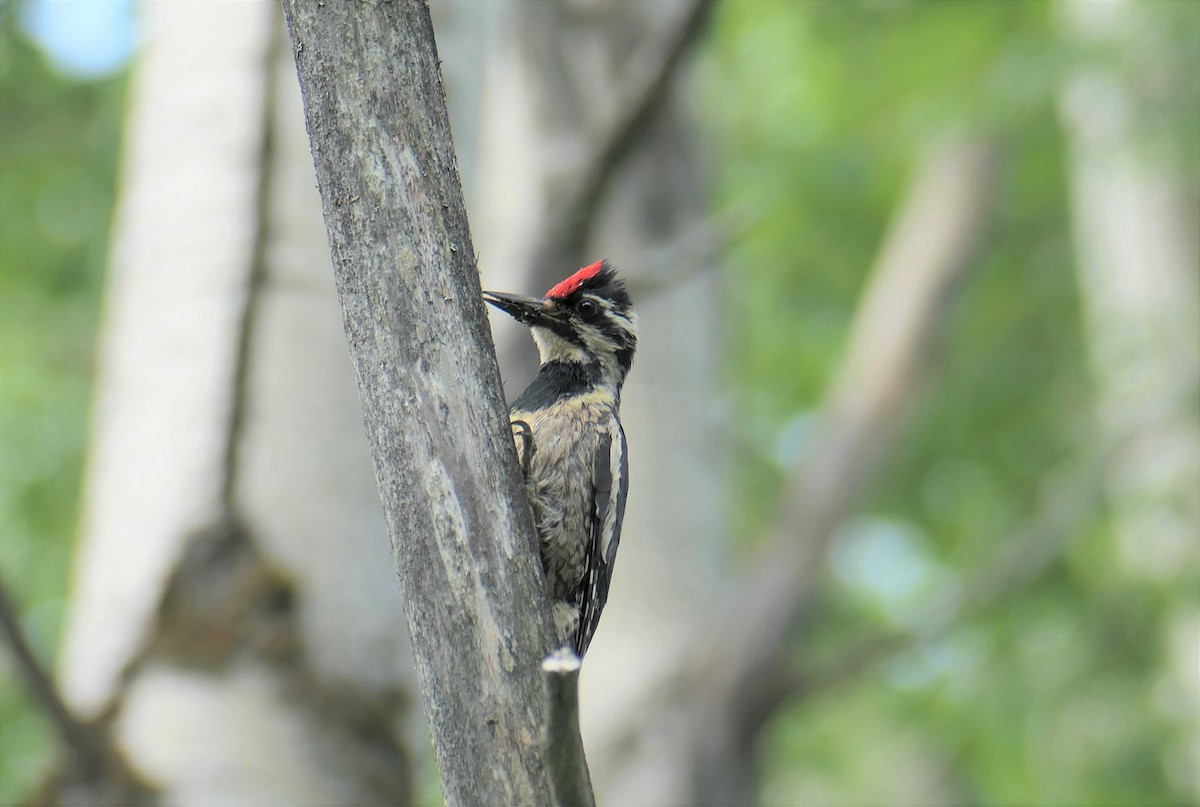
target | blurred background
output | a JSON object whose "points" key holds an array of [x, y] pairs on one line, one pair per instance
{"points": [[915, 420]]}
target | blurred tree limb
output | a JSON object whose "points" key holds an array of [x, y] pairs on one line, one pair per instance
{"points": [[890, 348], [689, 256], [1066, 501], [80, 742], [646, 79], [742, 670], [92, 770], [460, 526]]}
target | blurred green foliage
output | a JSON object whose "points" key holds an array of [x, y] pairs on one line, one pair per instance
{"points": [[58, 147], [1055, 695]]}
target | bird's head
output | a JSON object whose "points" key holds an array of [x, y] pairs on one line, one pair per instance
{"points": [[586, 319]]}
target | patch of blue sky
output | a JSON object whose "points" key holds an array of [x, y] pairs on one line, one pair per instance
{"points": [[85, 39]]}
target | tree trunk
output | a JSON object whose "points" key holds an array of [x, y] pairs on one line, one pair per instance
{"points": [[1135, 235], [460, 525], [1134, 223]]}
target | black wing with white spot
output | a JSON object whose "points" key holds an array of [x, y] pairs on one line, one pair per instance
{"points": [[611, 484]]}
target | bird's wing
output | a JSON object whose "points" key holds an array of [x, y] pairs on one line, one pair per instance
{"points": [[611, 484]]}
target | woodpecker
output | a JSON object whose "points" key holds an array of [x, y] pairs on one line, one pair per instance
{"points": [[569, 438]]}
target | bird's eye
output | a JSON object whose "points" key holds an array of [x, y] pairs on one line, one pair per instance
{"points": [[587, 308]]}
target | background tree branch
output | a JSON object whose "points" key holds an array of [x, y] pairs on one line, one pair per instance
{"points": [[905, 302], [459, 524], [922, 262], [81, 743], [742, 671], [1067, 500], [92, 770], [646, 80]]}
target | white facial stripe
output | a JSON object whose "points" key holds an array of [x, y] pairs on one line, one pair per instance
{"points": [[597, 345], [552, 347]]}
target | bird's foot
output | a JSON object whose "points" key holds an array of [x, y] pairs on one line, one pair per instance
{"points": [[523, 439]]}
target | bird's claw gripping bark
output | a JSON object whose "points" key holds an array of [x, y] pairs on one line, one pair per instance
{"points": [[525, 452]]}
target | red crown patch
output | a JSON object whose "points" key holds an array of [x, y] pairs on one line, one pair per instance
{"points": [[566, 287]]}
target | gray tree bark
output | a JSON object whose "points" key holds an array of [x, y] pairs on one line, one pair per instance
{"points": [[460, 526]]}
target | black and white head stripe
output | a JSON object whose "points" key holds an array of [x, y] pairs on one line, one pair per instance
{"points": [[599, 317]]}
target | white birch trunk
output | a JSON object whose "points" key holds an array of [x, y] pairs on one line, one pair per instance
{"points": [[1136, 236]]}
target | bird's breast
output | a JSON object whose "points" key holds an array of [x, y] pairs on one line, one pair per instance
{"points": [[559, 482]]}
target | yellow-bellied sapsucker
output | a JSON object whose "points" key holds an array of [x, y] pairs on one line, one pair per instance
{"points": [[569, 438]]}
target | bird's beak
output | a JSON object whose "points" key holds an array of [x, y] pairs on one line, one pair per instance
{"points": [[528, 310]]}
